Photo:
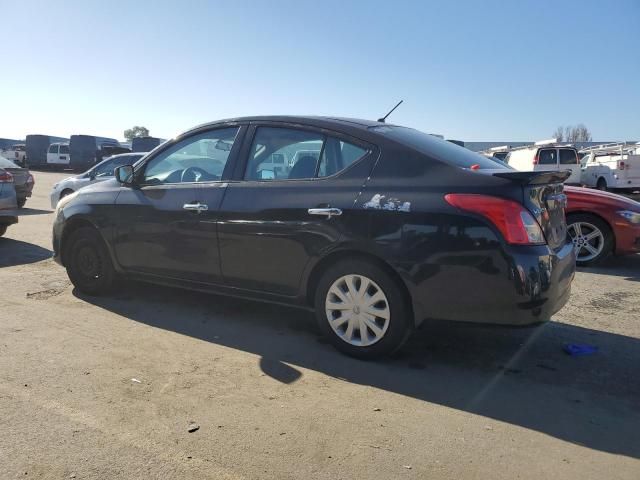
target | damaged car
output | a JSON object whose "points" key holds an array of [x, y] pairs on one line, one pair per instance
{"points": [[372, 226]]}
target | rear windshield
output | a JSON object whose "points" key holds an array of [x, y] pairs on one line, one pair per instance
{"points": [[568, 156], [439, 149], [6, 163]]}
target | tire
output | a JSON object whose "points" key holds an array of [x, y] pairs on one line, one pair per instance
{"points": [[88, 262], [64, 193], [592, 250], [22, 202], [391, 332], [602, 184], [3, 230]]}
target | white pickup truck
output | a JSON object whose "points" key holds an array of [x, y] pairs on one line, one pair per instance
{"points": [[612, 166]]}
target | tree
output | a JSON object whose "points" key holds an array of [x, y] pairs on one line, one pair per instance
{"points": [[579, 133], [559, 134], [137, 131]]}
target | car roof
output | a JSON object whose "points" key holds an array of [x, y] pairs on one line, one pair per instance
{"points": [[126, 154], [317, 121]]}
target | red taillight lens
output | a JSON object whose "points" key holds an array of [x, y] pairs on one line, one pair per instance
{"points": [[6, 177], [515, 222], [30, 179], [620, 165], [536, 159]]}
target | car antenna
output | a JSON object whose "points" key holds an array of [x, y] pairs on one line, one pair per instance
{"points": [[381, 120]]}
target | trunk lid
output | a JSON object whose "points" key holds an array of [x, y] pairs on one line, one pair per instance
{"points": [[544, 197], [20, 175]]}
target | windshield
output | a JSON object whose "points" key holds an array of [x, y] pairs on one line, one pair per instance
{"points": [[439, 149]]}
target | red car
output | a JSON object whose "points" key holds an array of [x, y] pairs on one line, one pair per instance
{"points": [[601, 223]]}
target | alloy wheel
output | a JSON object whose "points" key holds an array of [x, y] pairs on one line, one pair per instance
{"points": [[357, 310], [588, 240]]}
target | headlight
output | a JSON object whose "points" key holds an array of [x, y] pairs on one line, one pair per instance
{"points": [[633, 217]]}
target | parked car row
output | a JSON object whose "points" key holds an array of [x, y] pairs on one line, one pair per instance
{"points": [[613, 166], [78, 153]]}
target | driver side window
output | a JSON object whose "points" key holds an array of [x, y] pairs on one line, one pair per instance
{"points": [[199, 158]]}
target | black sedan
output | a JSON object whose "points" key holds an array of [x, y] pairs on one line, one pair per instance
{"points": [[375, 227]]}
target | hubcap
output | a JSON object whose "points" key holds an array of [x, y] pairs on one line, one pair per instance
{"points": [[357, 310], [588, 240]]}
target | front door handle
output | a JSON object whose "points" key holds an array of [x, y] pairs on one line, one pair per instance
{"points": [[196, 207], [325, 212]]}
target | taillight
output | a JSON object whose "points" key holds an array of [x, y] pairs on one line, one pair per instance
{"points": [[6, 177], [620, 165], [30, 179], [536, 159], [515, 222]]}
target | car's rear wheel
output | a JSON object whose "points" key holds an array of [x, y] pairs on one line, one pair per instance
{"points": [[3, 230], [362, 309], [22, 202], [592, 238], [88, 262]]}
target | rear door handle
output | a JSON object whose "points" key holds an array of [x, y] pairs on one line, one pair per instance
{"points": [[196, 207], [326, 212]]}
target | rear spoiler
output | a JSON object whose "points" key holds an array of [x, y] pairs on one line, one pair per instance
{"points": [[535, 178]]}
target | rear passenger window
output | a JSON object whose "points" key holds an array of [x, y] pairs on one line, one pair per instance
{"points": [[53, 149], [64, 148], [548, 157], [568, 157], [291, 154], [337, 156]]}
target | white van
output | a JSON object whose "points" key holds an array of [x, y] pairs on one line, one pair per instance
{"points": [[547, 155], [58, 155], [612, 166]]}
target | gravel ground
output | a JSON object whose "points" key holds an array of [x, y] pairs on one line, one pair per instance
{"points": [[110, 387]]}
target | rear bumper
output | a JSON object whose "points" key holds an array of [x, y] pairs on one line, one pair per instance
{"points": [[507, 286]]}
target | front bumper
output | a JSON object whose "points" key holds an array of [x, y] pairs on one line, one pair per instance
{"points": [[627, 238]]}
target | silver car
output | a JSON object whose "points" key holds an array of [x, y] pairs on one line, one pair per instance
{"points": [[97, 173], [8, 201]]}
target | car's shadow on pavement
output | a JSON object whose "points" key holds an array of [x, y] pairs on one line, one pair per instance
{"points": [[26, 211], [17, 252], [624, 266], [516, 375]]}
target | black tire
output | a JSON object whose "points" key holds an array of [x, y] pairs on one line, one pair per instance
{"points": [[88, 262], [64, 193], [599, 224], [400, 322], [22, 202], [3, 229], [602, 184]]}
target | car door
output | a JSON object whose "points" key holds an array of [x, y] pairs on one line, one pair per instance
{"points": [[568, 160], [546, 159], [52, 154], [165, 226], [290, 201]]}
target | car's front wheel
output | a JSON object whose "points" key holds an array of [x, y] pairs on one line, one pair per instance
{"points": [[88, 262], [362, 309], [592, 238]]}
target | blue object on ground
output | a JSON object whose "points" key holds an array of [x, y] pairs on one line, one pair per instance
{"points": [[577, 349]]}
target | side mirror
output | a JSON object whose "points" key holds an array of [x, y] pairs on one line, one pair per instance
{"points": [[124, 174]]}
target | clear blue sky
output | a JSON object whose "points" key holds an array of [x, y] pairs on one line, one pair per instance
{"points": [[472, 70]]}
